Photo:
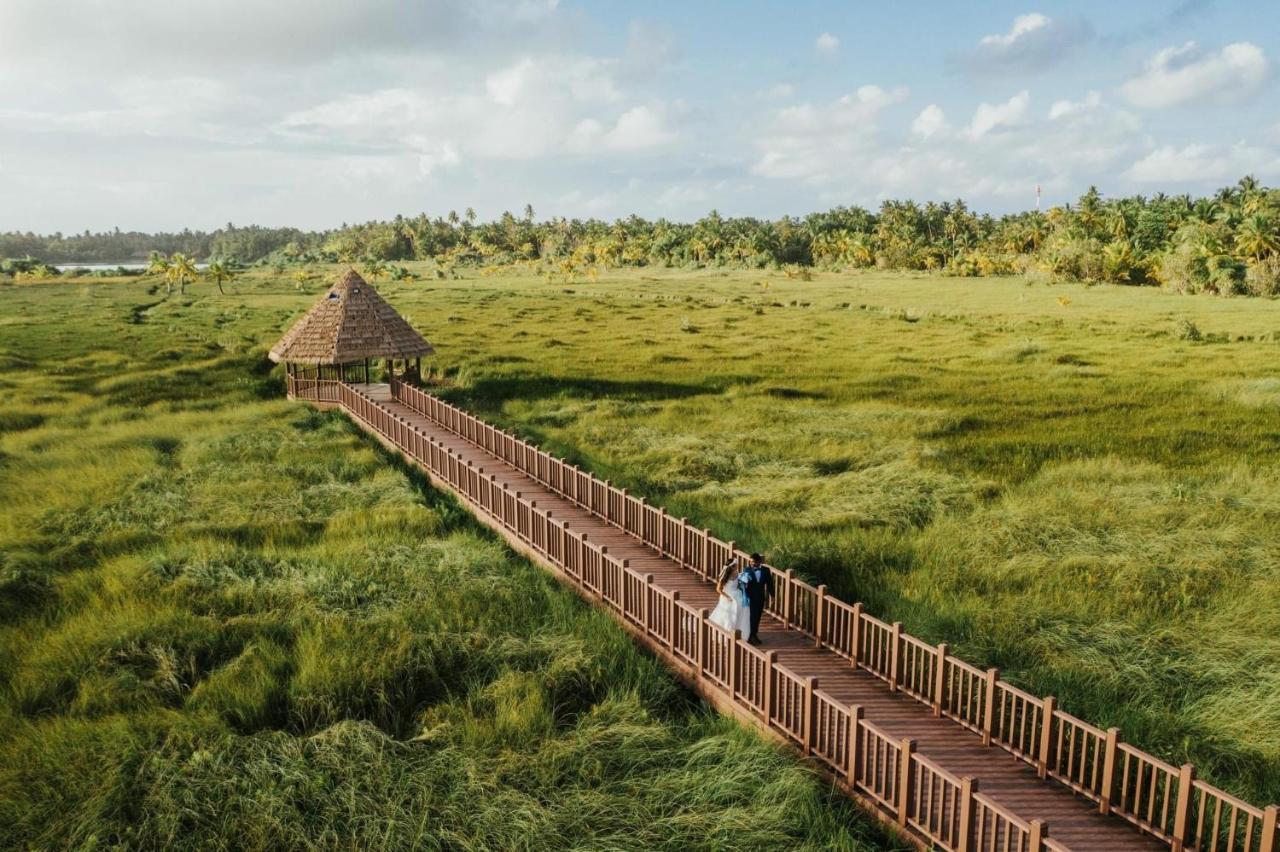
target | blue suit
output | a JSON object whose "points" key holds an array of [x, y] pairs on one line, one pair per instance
{"points": [[755, 584]]}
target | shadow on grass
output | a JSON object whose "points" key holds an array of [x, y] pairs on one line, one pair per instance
{"points": [[492, 392]]}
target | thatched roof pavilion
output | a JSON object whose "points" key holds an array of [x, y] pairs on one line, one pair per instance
{"points": [[350, 324]]}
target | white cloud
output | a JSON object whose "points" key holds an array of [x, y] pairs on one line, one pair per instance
{"points": [[1034, 42], [778, 91], [989, 117], [1186, 74], [827, 44], [1087, 135], [809, 140], [190, 34], [930, 122], [638, 128], [1023, 25], [849, 153], [547, 106], [1204, 164]]}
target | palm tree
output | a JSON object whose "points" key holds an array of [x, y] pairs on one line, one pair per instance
{"points": [[157, 263], [220, 271], [1257, 238], [375, 268], [181, 271]]}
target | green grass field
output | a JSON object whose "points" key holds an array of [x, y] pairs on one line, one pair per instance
{"points": [[226, 620]]}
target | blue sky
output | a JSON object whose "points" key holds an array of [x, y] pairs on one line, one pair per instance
{"points": [[150, 115]]}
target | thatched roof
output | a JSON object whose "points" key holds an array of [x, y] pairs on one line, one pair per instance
{"points": [[349, 323]]}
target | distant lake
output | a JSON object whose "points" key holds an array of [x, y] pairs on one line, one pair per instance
{"points": [[63, 267]]}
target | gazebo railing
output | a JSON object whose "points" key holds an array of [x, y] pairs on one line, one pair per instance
{"points": [[1160, 799]]}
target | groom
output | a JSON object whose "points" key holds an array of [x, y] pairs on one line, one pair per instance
{"points": [[756, 585]]}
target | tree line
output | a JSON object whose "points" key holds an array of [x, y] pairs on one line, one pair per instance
{"points": [[1227, 242]]}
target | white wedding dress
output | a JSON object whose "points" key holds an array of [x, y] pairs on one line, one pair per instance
{"points": [[731, 615]]}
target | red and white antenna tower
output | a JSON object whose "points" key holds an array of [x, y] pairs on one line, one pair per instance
{"points": [[1037, 198]]}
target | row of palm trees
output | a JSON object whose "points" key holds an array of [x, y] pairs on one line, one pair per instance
{"points": [[1227, 242], [179, 270]]}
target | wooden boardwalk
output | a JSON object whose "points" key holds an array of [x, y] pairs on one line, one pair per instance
{"points": [[952, 791]]}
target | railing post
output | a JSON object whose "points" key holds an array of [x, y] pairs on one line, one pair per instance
{"points": [[788, 595], [683, 555], [851, 744], [906, 748], [855, 651], [648, 583], [1108, 769], [770, 659], [810, 711], [1039, 831], [1270, 843], [964, 835], [1182, 814], [671, 620], [818, 615], [940, 679], [1046, 736], [733, 663], [895, 656], [989, 707], [707, 567], [702, 640]]}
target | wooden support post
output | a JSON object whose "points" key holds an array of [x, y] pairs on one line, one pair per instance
{"points": [[906, 748], [788, 587], [819, 608], [702, 641], [682, 554], [1109, 750], [940, 679], [851, 744], [770, 660], [964, 834], [1182, 812], [989, 706], [895, 655], [1046, 736], [810, 712], [733, 663], [1270, 843], [648, 583], [855, 649], [1039, 831], [707, 567], [671, 620]]}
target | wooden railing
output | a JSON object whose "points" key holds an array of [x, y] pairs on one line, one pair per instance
{"points": [[312, 389], [1165, 801]]}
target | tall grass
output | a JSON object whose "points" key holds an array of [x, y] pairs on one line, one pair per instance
{"points": [[227, 621], [1053, 479]]}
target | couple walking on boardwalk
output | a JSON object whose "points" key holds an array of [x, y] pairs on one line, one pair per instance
{"points": [[743, 592]]}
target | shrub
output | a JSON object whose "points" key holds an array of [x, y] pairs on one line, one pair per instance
{"points": [[1185, 329], [1263, 277]]}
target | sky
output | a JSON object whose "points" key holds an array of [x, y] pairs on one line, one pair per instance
{"points": [[164, 114]]}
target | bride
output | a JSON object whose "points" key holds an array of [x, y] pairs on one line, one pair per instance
{"points": [[731, 612]]}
